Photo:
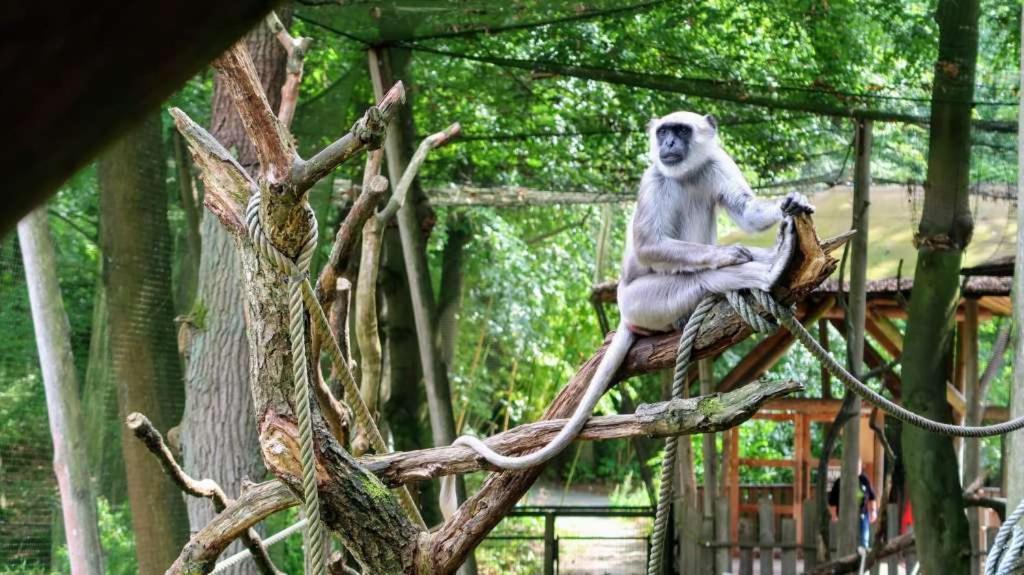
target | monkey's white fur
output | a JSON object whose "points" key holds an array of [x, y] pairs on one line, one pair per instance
{"points": [[671, 261]]}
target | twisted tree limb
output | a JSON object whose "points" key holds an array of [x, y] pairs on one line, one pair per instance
{"points": [[354, 503], [143, 430]]}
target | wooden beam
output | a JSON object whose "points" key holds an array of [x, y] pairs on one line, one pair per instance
{"points": [[75, 79], [770, 350], [885, 332]]}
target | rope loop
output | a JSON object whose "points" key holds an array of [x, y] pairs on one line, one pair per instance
{"points": [[296, 272]]}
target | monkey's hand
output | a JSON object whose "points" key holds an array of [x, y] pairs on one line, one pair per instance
{"points": [[733, 255], [785, 246], [795, 204]]}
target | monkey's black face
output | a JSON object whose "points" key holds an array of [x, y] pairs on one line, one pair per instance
{"points": [[673, 142]]}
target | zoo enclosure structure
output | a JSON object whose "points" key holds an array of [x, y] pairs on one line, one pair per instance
{"points": [[787, 509]]}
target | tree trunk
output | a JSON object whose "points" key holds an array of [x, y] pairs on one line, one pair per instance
{"points": [[392, 66], [67, 426], [849, 491], [449, 297], [219, 430], [932, 476], [99, 403], [190, 242], [136, 242], [1013, 462]]}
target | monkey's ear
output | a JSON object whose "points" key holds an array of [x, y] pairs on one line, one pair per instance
{"points": [[712, 121]]}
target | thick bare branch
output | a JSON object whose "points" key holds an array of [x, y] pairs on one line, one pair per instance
{"points": [[274, 146], [144, 430], [851, 563], [296, 49], [368, 132], [367, 336], [254, 505], [705, 414], [227, 183], [344, 242]]}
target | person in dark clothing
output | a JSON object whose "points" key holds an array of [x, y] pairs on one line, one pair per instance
{"points": [[868, 505]]}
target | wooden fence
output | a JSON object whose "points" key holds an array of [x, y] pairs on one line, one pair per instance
{"points": [[773, 542]]}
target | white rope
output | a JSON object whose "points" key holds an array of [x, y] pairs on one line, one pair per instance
{"points": [[273, 539]]}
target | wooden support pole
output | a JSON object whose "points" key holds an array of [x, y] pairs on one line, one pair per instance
{"points": [[826, 377], [709, 452], [975, 408], [849, 492]]}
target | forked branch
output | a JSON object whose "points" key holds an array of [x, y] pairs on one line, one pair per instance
{"points": [[143, 430]]}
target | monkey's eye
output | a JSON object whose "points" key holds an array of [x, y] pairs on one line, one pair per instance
{"points": [[685, 131]]}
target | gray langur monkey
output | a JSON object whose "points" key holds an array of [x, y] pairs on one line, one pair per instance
{"points": [[671, 261]]}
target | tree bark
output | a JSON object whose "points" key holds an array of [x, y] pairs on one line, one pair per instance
{"points": [[67, 426], [190, 241], [136, 242], [356, 506], [1013, 461], [849, 491], [932, 475], [219, 430], [99, 403]]}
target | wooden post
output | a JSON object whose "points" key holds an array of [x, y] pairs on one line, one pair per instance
{"points": [[550, 544], [734, 482], [849, 490], [705, 547], [892, 529], [746, 528], [789, 549], [826, 377], [975, 407], [707, 384], [766, 532], [722, 555], [1014, 460], [60, 383], [810, 535]]}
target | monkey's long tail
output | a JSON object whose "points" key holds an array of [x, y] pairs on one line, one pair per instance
{"points": [[613, 357]]}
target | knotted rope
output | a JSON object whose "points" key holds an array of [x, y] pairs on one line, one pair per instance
{"points": [[297, 271], [997, 564], [668, 463]]}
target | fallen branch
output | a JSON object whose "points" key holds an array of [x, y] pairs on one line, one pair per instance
{"points": [[345, 242], [997, 504], [143, 429], [851, 563], [401, 190]]}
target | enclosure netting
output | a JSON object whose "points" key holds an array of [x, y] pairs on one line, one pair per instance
{"points": [[31, 524]]}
